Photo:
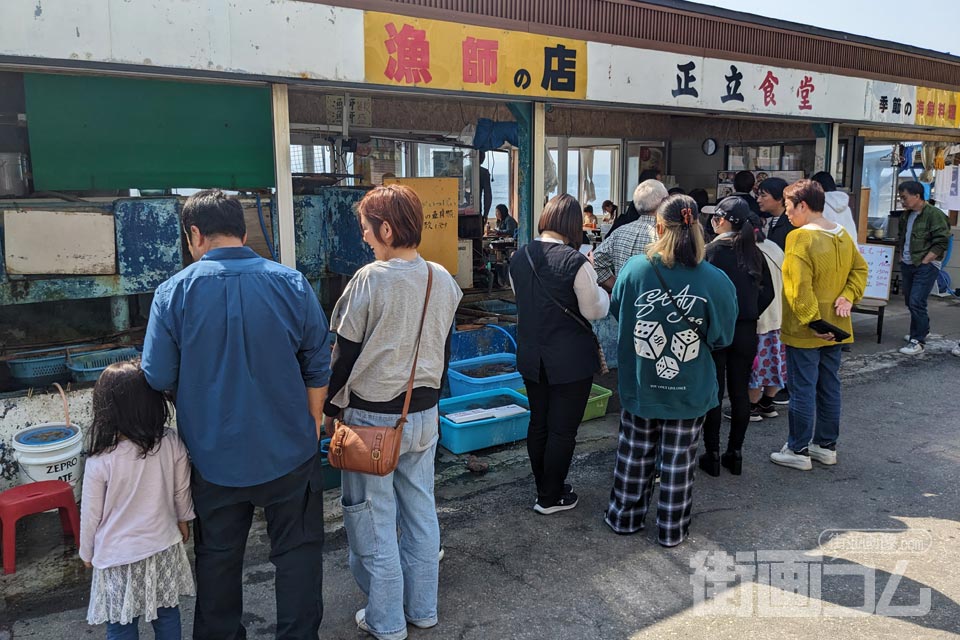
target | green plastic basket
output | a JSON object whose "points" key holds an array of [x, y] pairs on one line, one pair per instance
{"points": [[596, 405]]}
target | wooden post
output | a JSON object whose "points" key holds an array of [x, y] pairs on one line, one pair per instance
{"points": [[283, 198]]}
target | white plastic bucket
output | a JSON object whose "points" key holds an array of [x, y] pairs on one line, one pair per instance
{"points": [[50, 451]]}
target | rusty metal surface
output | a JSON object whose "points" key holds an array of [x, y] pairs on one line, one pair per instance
{"points": [[148, 252]]}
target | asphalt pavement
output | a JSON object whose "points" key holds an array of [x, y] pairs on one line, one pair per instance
{"points": [[867, 548]]}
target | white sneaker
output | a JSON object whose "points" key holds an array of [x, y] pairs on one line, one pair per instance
{"points": [[360, 619], [956, 351], [912, 349], [822, 455], [906, 338], [787, 458]]}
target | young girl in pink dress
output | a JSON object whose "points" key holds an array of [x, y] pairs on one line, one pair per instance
{"points": [[135, 509]]}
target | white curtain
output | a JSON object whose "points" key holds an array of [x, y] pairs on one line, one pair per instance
{"points": [[550, 179], [587, 191]]}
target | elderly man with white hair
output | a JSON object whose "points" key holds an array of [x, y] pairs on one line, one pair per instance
{"points": [[630, 239]]}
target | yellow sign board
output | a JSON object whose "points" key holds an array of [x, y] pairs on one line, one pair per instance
{"points": [[439, 199], [938, 108], [432, 54]]}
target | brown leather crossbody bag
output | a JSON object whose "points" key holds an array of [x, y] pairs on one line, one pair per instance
{"points": [[376, 450]]}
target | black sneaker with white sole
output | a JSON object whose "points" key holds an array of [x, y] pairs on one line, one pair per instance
{"points": [[782, 397], [766, 411], [755, 415], [566, 502]]}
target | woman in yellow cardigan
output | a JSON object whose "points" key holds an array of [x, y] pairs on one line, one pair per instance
{"points": [[823, 276]]}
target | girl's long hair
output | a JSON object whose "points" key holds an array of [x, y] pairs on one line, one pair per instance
{"points": [[682, 237], [749, 257], [125, 405]]}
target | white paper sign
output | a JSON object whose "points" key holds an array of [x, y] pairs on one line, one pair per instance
{"points": [[879, 270]]}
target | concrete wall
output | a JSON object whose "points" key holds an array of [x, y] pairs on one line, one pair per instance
{"points": [[26, 411]]}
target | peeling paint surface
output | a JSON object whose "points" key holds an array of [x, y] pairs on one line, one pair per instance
{"points": [[328, 234], [282, 38], [148, 252]]}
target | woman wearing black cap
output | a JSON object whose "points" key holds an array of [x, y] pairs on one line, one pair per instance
{"points": [[734, 251]]}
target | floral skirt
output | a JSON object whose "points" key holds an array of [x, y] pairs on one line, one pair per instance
{"points": [[770, 367], [125, 592]]}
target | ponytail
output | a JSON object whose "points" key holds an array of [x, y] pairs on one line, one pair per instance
{"points": [[682, 238], [749, 258]]}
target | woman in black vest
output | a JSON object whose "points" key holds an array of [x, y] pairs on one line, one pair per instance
{"points": [[557, 296], [734, 251]]}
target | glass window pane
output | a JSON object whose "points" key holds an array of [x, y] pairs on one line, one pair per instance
{"points": [[573, 172]]}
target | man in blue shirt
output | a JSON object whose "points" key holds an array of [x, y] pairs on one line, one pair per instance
{"points": [[243, 344]]}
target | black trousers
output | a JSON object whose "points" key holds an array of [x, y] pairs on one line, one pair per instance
{"points": [[734, 364], [555, 414], [293, 506]]}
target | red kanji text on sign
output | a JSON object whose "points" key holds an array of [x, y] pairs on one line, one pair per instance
{"points": [[803, 92], [480, 61], [409, 55], [767, 86]]}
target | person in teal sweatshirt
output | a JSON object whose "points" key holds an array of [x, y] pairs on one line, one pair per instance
{"points": [[673, 309]]}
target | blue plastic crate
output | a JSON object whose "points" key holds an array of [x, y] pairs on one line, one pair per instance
{"points": [[461, 384], [41, 366], [480, 434], [87, 367], [331, 475]]}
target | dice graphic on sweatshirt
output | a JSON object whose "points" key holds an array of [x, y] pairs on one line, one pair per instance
{"points": [[649, 339], [667, 368], [685, 345]]}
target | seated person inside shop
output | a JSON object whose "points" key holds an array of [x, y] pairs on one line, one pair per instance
{"points": [[506, 225], [589, 218]]}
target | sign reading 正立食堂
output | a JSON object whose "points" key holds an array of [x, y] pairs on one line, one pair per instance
{"points": [[439, 199]]}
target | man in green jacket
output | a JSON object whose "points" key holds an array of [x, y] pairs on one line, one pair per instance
{"points": [[924, 234]]}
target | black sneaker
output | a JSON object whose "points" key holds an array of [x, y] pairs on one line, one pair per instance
{"points": [[782, 397], [566, 502], [765, 411], [755, 415]]}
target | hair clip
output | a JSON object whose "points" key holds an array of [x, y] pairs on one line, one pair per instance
{"points": [[687, 215]]}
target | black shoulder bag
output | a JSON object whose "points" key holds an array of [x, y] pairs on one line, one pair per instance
{"points": [[690, 323], [580, 321]]}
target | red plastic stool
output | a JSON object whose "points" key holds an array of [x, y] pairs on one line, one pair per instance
{"points": [[28, 499]]}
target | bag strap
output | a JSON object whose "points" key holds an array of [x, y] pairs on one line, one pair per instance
{"points": [[416, 350], [578, 319], [690, 323]]}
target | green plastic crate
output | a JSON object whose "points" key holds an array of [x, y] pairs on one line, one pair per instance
{"points": [[596, 405]]}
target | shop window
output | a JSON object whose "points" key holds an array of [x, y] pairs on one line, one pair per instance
{"points": [[590, 173], [772, 157]]}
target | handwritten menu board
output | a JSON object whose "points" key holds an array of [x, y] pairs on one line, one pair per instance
{"points": [[879, 270], [439, 198]]}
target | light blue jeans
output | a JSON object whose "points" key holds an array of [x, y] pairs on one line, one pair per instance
{"points": [[815, 404], [398, 574]]}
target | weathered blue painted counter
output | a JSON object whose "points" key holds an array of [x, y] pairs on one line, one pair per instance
{"points": [[148, 252]]}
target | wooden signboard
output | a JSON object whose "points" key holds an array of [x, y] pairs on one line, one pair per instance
{"points": [[879, 270], [439, 199]]}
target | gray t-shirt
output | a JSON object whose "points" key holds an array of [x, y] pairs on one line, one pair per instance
{"points": [[381, 309]]}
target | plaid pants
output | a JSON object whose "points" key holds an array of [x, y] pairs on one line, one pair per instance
{"points": [[640, 439]]}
